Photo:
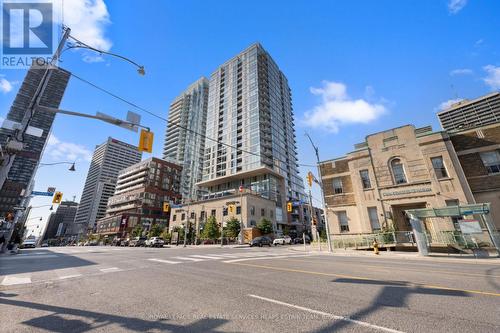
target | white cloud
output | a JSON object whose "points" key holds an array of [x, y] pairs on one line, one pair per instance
{"points": [[492, 78], [454, 6], [337, 108], [461, 71], [446, 105], [66, 151], [5, 85], [88, 20]]}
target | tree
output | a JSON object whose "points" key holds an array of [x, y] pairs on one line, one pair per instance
{"points": [[232, 227], [211, 229], [155, 230], [265, 226], [166, 235], [180, 231], [137, 231]]}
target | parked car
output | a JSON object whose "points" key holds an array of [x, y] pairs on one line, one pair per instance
{"points": [[300, 240], [117, 242], [28, 243], [260, 241], [45, 244], [286, 240], [125, 242], [137, 241], [155, 242]]}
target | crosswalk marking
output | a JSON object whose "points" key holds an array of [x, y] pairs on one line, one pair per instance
{"points": [[110, 269], [205, 257], [63, 277], [165, 261], [188, 258], [10, 280]]}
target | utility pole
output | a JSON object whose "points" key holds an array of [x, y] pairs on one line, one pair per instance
{"points": [[242, 239], [314, 229], [320, 183]]}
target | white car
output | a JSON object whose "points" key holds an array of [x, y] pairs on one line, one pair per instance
{"points": [[155, 242], [282, 241]]}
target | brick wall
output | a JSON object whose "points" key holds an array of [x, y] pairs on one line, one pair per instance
{"points": [[334, 167]]}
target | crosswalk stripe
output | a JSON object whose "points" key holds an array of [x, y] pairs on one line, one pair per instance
{"points": [[205, 257], [188, 258], [165, 261], [110, 269], [10, 280], [69, 276]]}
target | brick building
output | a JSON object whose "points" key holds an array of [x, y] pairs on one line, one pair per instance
{"points": [[478, 150], [141, 190], [392, 171]]}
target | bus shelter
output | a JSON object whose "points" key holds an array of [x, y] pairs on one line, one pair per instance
{"points": [[417, 217]]}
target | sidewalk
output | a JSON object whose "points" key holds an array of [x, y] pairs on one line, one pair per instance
{"points": [[466, 258]]}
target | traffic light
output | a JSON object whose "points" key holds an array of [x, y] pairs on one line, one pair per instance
{"points": [[9, 217], [231, 209], [146, 141], [315, 220], [166, 207], [289, 207], [57, 198], [310, 178]]}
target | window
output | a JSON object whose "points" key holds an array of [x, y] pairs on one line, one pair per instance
{"points": [[262, 212], [439, 169], [174, 217], [238, 210], [365, 179], [398, 171], [252, 210], [337, 186], [183, 217], [344, 223], [192, 215], [202, 215], [224, 211], [212, 213], [491, 161], [373, 216]]}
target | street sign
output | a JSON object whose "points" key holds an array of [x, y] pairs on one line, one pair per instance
{"points": [[45, 194], [51, 189]]}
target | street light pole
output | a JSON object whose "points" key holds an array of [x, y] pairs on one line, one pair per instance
{"points": [[320, 183]]}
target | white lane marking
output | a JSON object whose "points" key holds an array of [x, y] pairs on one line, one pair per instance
{"points": [[110, 269], [10, 280], [69, 276], [165, 261], [188, 258], [222, 256], [205, 257], [266, 258], [326, 314]]}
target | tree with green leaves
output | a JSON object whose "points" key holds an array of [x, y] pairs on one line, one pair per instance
{"points": [[232, 228], [137, 231], [265, 226], [155, 230], [211, 229], [166, 235], [180, 231]]}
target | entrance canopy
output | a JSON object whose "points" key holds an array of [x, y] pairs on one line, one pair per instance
{"points": [[461, 210]]}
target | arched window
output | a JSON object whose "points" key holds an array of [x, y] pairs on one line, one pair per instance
{"points": [[398, 171]]}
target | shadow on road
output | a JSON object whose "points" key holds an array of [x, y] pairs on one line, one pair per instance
{"points": [[83, 320], [39, 261], [393, 294]]}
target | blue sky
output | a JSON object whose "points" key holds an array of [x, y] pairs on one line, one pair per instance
{"points": [[354, 67]]}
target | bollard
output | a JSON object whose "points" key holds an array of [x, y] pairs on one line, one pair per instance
{"points": [[375, 247]]}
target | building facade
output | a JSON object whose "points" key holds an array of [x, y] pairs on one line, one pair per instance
{"points": [[141, 190], [188, 115], [469, 114], [478, 151], [109, 158], [23, 169], [250, 132], [61, 223], [369, 189]]}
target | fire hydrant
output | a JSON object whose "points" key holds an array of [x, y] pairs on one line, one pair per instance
{"points": [[375, 247]]}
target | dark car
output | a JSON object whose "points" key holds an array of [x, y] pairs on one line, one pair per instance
{"points": [[117, 242], [125, 242], [261, 241], [300, 240], [137, 241]]}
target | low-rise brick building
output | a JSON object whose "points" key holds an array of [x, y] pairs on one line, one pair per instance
{"points": [[141, 190]]}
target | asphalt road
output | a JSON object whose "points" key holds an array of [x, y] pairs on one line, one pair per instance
{"points": [[109, 289]]}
